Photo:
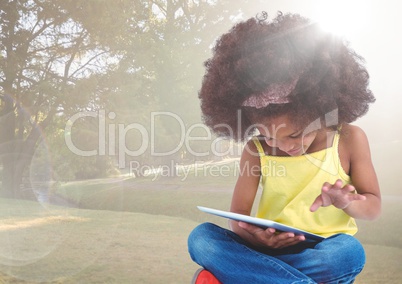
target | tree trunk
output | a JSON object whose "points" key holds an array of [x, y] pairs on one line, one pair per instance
{"points": [[7, 146], [16, 154], [14, 166], [12, 178]]}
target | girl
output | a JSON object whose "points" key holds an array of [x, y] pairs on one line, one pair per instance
{"points": [[298, 88]]}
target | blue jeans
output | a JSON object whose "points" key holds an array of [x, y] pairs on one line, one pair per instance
{"points": [[337, 259]]}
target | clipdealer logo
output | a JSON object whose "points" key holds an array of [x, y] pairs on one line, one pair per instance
{"points": [[112, 136]]}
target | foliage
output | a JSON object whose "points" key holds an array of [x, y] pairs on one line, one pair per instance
{"points": [[124, 59], [45, 55]]}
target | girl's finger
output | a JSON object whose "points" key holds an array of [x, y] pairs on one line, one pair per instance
{"points": [[316, 204], [338, 183], [349, 187], [357, 197]]}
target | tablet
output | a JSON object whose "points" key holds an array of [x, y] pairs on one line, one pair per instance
{"points": [[263, 223]]}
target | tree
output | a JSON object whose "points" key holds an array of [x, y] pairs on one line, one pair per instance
{"points": [[47, 51], [179, 35], [129, 57]]}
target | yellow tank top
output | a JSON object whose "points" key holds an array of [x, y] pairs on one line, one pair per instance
{"points": [[291, 184]]}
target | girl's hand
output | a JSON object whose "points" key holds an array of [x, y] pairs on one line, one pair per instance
{"points": [[337, 195], [269, 237]]}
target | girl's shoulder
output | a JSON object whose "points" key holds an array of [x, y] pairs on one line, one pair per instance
{"points": [[252, 148], [352, 135], [353, 143]]}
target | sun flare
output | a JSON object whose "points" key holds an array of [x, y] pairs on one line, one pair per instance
{"points": [[343, 18]]}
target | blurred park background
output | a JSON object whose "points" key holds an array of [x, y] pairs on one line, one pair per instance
{"points": [[103, 154]]}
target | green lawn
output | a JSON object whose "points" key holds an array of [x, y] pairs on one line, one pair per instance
{"points": [[136, 232]]}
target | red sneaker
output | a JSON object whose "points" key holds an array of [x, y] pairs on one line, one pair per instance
{"points": [[203, 276]]}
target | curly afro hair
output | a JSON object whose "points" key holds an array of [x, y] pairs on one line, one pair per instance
{"points": [[257, 53]]}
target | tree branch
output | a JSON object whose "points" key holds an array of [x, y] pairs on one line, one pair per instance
{"points": [[88, 62], [187, 14]]}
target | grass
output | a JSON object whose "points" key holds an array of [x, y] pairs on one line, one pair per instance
{"points": [[135, 231], [56, 245]]}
